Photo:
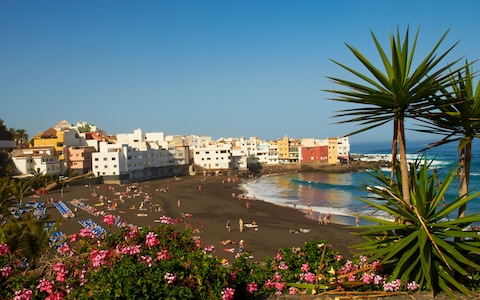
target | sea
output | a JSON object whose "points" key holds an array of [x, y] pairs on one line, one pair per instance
{"points": [[338, 193]]}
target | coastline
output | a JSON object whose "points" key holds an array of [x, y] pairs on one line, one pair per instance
{"points": [[206, 203]]}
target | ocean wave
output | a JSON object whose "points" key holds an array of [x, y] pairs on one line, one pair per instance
{"points": [[322, 185], [433, 160]]}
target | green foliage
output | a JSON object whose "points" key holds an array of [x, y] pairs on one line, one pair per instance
{"points": [[28, 236], [422, 243]]}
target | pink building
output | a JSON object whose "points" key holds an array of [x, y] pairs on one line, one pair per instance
{"points": [[80, 159]]}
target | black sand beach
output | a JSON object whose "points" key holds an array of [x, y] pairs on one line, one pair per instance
{"points": [[206, 203]]}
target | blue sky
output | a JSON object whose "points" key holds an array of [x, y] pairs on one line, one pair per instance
{"points": [[218, 68]]}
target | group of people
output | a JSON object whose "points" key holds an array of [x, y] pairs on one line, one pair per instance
{"points": [[324, 220], [241, 225]]}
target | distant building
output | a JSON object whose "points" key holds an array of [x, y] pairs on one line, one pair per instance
{"points": [[217, 156], [80, 159], [138, 156], [282, 148], [59, 137], [315, 153], [42, 160]]}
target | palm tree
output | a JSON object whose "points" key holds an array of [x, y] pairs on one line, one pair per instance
{"points": [[458, 121], [5, 195], [30, 236], [19, 189], [19, 135], [39, 180], [398, 92], [427, 246]]}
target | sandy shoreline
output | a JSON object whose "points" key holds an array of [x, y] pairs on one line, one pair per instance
{"points": [[206, 203]]}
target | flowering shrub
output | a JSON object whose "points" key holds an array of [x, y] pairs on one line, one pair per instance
{"points": [[164, 263]]}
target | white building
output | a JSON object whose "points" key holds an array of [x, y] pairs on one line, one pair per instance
{"points": [[214, 156], [343, 147], [138, 156], [41, 160], [272, 158], [125, 163]]}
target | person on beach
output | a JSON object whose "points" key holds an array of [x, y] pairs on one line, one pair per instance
{"points": [[240, 225], [240, 246], [320, 219], [229, 225]]}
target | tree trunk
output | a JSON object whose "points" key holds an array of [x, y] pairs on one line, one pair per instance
{"points": [[465, 160], [403, 162]]}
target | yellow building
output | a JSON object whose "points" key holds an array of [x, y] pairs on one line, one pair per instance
{"points": [[282, 148], [332, 150], [52, 138]]}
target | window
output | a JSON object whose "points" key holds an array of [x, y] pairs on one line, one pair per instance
{"points": [[96, 158], [113, 158]]}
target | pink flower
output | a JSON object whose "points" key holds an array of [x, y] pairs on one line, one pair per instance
{"points": [[338, 257], [163, 255], [392, 286], [291, 290], [228, 293], [98, 257], [87, 233], [45, 286], [308, 277], [23, 294], [277, 277], [74, 237], [146, 259], [279, 286], [109, 219], [278, 257], [6, 271], [233, 276], [412, 286], [363, 259], [4, 249], [305, 268], [170, 278], [367, 278], [61, 271], [283, 266], [64, 248], [269, 284], [55, 296], [132, 233], [151, 240], [252, 287], [130, 250], [377, 279]]}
